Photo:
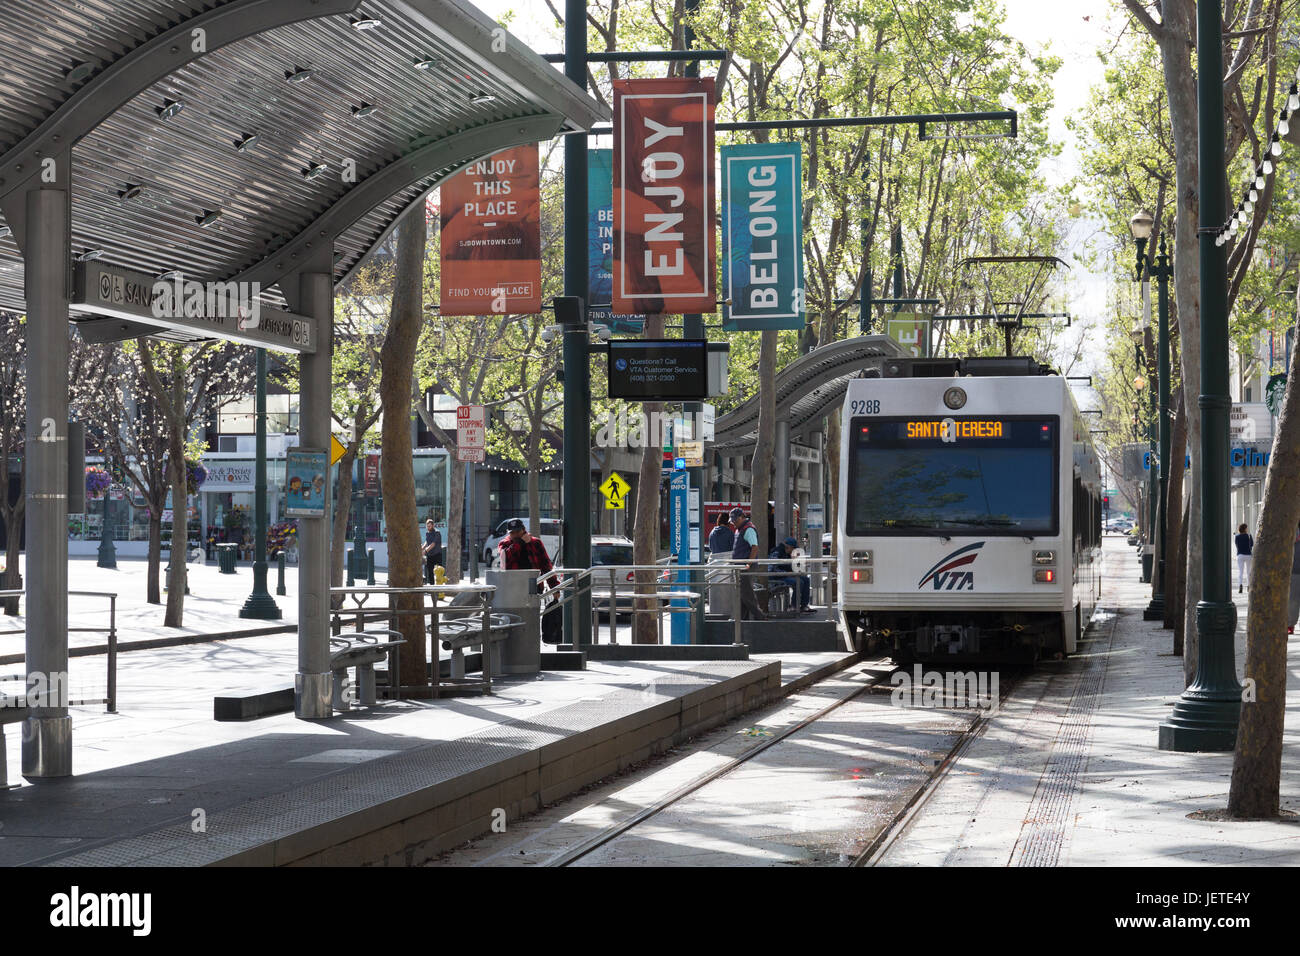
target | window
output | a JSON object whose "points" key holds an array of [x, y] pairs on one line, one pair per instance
{"points": [[988, 476]]}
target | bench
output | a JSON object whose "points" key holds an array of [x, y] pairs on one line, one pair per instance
{"points": [[362, 650], [460, 634], [12, 711]]}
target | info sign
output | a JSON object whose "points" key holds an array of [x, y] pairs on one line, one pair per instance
{"points": [[306, 477], [658, 369], [762, 207], [492, 236], [665, 243]]}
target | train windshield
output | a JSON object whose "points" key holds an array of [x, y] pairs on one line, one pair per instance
{"points": [[960, 475]]}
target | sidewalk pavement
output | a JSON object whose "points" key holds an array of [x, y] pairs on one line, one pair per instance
{"points": [[1067, 772], [211, 607]]}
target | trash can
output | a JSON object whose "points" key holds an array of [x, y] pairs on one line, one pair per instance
{"points": [[516, 593], [226, 554]]}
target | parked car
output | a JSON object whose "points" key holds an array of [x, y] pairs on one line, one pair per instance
{"points": [[550, 536], [611, 550]]}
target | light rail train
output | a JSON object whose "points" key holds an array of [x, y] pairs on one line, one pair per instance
{"points": [[969, 521]]}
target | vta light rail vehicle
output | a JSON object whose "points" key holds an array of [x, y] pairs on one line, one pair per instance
{"points": [[970, 512]]}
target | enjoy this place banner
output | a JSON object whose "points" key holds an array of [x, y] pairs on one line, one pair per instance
{"points": [[665, 245], [492, 236], [762, 203]]}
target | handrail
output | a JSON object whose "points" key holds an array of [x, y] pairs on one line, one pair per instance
{"points": [[110, 699]]}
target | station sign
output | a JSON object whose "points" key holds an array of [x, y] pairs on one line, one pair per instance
{"points": [[654, 370], [220, 310], [691, 453]]}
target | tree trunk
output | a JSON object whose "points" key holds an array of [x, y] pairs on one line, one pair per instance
{"points": [[455, 523], [1257, 763], [153, 594], [13, 580], [645, 530], [535, 497], [397, 473], [1174, 508], [180, 531], [339, 529]]}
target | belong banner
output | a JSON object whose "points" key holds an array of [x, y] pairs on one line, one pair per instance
{"points": [[600, 245], [665, 244], [492, 236], [762, 210]]}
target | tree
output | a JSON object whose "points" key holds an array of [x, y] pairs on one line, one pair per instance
{"points": [[182, 383], [397, 473]]}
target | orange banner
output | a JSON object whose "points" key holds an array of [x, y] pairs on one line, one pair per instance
{"points": [[492, 236], [665, 243]]}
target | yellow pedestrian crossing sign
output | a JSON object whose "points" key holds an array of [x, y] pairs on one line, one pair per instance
{"points": [[615, 490]]}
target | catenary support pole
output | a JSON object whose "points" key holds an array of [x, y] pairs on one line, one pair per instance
{"points": [[313, 682], [1206, 715], [260, 605], [577, 361], [781, 498], [693, 328], [47, 735], [1163, 273]]}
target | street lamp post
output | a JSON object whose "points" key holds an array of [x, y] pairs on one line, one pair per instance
{"points": [[260, 605], [1206, 715], [107, 553]]}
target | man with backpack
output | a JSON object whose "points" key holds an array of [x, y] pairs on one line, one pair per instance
{"points": [[521, 551]]}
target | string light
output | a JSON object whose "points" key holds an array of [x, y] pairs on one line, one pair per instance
{"points": [[1259, 176]]}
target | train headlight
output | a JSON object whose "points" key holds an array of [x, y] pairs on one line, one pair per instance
{"points": [[1044, 576], [860, 557], [955, 397], [1044, 557]]}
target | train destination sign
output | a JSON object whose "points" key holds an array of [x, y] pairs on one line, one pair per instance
{"points": [[658, 369], [221, 310], [950, 429]]}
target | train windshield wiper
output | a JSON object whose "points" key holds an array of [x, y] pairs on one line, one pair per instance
{"points": [[989, 522]]}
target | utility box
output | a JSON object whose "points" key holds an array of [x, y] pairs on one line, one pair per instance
{"points": [[517, 593]]}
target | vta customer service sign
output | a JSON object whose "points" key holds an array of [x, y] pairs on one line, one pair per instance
{"points": [[665, 245], [491, 236]]}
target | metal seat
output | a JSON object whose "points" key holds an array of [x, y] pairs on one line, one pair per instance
{"points": [[12, 711], [362, 650]]}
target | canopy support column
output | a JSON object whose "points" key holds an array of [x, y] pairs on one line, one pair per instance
{"points": [[47, 736], [781, 523], [313, 682]]}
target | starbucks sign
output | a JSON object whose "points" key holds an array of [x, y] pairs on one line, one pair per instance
{"points": [[1274, 391]]}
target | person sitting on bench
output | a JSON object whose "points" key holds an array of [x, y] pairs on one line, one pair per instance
{"points": [[799, 584]]}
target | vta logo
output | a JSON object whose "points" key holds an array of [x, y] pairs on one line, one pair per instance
{"points": [[946, 576]]}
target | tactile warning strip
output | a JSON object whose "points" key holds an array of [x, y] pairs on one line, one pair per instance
{"points": [[1043, 833], [328, 799]]}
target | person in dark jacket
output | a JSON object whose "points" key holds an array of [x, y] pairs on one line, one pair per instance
{"points": [[432, 550], [799, 584], [1244, 545], [721, 539]]}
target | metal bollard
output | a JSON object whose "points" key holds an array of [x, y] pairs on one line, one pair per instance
{"points": [[351, 563], [279, 561], [370, 571]]}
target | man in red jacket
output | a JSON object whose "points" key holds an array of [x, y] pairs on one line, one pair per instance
{"points": [[522, 551]]}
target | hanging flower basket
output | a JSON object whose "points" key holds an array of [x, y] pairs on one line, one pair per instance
{"points": [[97, 482], [195, 475]]}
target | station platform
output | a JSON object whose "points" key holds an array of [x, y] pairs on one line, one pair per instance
{"points": [[1068, 773], [161, 783]]}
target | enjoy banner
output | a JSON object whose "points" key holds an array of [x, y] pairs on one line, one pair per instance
{"points": [[762, 203], [665, 244], [492, 236]]}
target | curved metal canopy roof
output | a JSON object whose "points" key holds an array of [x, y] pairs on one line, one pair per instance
{"points": [[808, 389], [247, 138]]}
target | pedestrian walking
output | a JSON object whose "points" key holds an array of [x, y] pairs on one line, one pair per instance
{"points": [[745, 548], [1245, 545], [721, 539]]}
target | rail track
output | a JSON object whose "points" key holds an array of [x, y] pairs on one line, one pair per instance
{"points": [[880, 842]]}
